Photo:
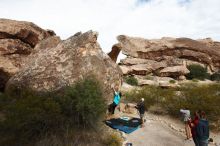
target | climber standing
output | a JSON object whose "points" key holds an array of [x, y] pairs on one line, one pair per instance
{"points": [[141, 108], [186, 118]]}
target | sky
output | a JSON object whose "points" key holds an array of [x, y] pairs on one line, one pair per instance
{"points": [[140, 18]]}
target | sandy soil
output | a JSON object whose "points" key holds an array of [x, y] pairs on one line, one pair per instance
{"points": [[162, 131]]}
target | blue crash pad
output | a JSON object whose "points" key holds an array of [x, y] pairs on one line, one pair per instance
{"points": [[125, 124]]}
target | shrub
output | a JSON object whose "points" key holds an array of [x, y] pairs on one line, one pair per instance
{"points": [[215, 77], [32, 117], [197, 72], [172, 81], [29, 118], [84, 102], [113, 140], [131, 80], [200, 97], [192, 95]]}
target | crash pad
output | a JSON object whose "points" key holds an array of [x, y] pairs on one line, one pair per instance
{"points": [[125, 124]]}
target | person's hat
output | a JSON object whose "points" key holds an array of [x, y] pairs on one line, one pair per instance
{"points": [[142, 99]]}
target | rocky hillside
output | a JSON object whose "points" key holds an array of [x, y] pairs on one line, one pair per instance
{"points": [[17, 40], [166, 57]]}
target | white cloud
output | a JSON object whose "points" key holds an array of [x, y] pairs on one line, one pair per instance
{"points": [[150, 19]]}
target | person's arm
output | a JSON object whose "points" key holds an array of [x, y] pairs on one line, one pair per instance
{"points": [[183, 111], [114, 90], [191, 124], [138, 105], [196, 121]]}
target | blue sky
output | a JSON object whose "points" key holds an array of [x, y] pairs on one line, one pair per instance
{"points": [[149, 19]]}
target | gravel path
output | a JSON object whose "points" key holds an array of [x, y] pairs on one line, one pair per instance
{"points": [[158, 131]]}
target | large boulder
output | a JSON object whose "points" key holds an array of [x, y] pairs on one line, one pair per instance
{"points": [[17, 42], [12, 53], [154, 80], [174, 71], [71, 60], [27, 32], [206, 52], [167, 53], [141, 66]]}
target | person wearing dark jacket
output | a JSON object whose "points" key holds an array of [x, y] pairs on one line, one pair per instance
{"points": [[202, 130], [193, 124], [141, 108]]}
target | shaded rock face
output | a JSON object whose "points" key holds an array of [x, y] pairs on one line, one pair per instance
{"points": [[17, 41], [75, 58], [167, 56], [114, 53]]}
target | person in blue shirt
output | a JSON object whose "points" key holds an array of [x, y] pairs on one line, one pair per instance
{"points": [[116, 101]]}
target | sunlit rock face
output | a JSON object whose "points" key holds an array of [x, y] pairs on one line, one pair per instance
{"points": [[73, 59], [17, 41], [167, 57]]}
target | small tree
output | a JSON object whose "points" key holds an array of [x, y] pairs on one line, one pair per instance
{"points": [[197, 72]]}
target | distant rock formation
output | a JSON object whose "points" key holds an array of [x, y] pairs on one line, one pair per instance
{"points": [[166, 57], [54, 68], [17, 41]]}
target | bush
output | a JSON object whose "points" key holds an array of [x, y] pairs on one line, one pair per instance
{"points": [[197, 72], [172, 81], [29, 118], [84, 102], [200, 97], [113, 140], [32, 117], [191, 95], [131, 80], [215, 77]]}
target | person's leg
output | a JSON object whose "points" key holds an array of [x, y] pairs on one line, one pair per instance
{"points": [[142, 120], [110, 108], [188, 132], [203, 143], [113, 108], [196, 141]]}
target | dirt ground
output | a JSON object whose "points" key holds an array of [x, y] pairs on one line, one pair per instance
{"points": [[162, 131]]}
